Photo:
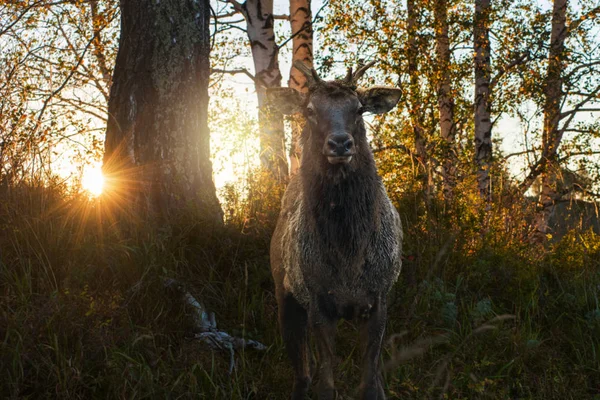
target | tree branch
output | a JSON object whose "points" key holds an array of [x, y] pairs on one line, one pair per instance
{"points": [[588, 16], [576, 110], [226, 15], [518, 60], [29, 7], [237, 6], [578, 153], [394, 147], [62, 86], [233, 72], [581, 66], [519, 153]]}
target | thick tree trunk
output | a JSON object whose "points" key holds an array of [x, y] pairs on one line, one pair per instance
{"points": [[483, 122], [265, 54], [445, 100], [157, 140], [302, 49], [415, 100], [552, 135]]}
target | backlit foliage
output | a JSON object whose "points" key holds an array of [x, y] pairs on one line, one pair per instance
{"points": [[56, 66]]}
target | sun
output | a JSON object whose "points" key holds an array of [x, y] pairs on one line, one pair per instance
{"points": [[92, 179]]}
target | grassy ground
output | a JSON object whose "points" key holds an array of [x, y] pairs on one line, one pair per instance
{"points": [[84, 312]]}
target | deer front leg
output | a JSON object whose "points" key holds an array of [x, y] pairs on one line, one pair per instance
{"points": [[293, 319], [324, 333], [323, 320], [372, 331]]}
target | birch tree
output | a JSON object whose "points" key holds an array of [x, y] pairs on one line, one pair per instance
{"points": [[483, 122], [416, 106], [302, 50], [259, 18], [445, 98]]}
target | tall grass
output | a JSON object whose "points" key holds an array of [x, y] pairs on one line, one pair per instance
{"points": [[84, 312]]}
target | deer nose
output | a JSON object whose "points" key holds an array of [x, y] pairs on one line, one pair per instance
{"points": [[340, 145]]}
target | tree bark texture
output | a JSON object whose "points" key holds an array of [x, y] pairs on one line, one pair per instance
{"points": [[483, 122], [302, 49], [445, 100], [415, 101], [157, 150], [265, 54], [552, 135]]}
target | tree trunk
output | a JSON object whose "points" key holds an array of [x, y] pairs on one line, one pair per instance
{"points": [[552, 135], [445, 100], [415, 100], [157, 150], [265, 54], [483, 122], [302, 49]]}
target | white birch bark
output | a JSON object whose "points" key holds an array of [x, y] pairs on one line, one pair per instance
{"points": [[302, 49], [483, 122], [265, 55], [445, 101]]}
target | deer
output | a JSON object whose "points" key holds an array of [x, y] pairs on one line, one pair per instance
{"points": [[336, 249]]}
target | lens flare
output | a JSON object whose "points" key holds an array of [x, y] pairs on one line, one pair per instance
{"points": [[93, 180]]}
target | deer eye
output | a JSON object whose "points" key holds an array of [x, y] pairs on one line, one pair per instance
{"points": [[360, 110], [310, 111]]}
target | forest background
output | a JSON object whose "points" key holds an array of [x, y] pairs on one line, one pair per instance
{"points": [[128, 161]]}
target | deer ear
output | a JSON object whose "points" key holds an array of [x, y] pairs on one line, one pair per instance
{"points": [[285, 100], [379, 99]]}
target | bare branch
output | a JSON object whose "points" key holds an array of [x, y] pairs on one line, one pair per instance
{"points": [[231, 26], [519, 153], [226, 15], [62, 86], [581, 66], [578, 130], [578, 153], [233, 72], [237, 6], [579, 108], [576, 110], [27, 9]]}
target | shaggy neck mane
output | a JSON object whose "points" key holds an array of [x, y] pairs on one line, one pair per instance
{"points": [[343, 199]]}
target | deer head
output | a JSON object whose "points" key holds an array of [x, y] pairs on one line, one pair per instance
{"points": [[334, 110]]}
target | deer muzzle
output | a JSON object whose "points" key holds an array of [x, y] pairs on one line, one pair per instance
{"points": [[339, 148]]}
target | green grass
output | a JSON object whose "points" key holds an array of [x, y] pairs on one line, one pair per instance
{"points": [[84, 312]]}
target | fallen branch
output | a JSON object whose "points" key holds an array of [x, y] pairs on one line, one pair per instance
{"points": [[205, 326]]}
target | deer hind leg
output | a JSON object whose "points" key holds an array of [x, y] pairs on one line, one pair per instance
{"points": [[372, 331], [293, 320]]}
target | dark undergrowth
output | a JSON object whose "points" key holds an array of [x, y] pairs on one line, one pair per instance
{"points": [[477, 313]]}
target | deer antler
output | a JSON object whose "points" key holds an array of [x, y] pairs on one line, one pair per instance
{"points": [[352, 78], [311, 75]]}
